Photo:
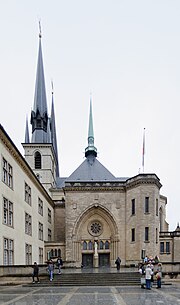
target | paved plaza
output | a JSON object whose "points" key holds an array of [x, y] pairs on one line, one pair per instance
{"points": [[19, 295]]}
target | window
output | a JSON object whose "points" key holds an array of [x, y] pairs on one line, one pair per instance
{"points": [[133, 208], [7, 212], [161, 247], [146, 233], [40, 231], [146, 208], [28, 253], [84, 245], [167, 247], [157, 207], [49, 235], [40, 206], [37, 160], [106, 245], [28, 224], [156, 235], [90, 245], [40, 255], [133, 234], [7, 173], [8, 252], [49, 215], [101, 245], [27, 193]]}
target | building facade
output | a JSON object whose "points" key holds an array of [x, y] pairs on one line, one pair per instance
{"points": [[88, 218]]}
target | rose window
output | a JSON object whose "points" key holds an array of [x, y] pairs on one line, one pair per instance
{"points": [[95, 228]]}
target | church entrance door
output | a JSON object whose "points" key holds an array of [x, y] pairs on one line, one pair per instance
{"points": [[87, 260], [104, 259]]}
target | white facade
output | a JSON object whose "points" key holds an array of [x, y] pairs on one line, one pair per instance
{"points": [[25, 222]]}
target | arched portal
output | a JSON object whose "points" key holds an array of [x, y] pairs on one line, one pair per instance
{"points": [[95, 242]]}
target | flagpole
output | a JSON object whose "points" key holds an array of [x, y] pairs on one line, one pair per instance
{"points": [[143, 150]]}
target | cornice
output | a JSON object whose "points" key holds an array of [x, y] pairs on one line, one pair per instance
{"points": [[14, 152], [143, 179], [92, 188]]}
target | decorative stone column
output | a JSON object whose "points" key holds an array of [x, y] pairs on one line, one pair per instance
{"points": [[95, 255]]}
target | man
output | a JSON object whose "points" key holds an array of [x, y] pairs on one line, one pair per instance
{"points": [[59, 264], [148, 273], [35, 272]]}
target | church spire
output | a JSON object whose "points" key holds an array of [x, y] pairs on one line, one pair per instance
{"points": [[91, 149], [53, 133], [39, 114]]}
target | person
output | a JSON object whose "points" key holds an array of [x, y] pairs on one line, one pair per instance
{"points": [[156, 259], [59, 264], [152, 275], [159, 275], [148, 273], [35, 272], [118, 263], [50, 270], [146, 259]]}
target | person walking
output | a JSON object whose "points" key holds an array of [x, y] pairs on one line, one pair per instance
{"points": [[59, 264], [35, 272], [148, 273], [118, 263], [51, 270]]}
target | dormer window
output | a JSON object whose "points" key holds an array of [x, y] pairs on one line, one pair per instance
{"points": [[37, 160]]}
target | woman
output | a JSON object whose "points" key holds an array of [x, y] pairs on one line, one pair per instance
{"points": [[159, 275]]}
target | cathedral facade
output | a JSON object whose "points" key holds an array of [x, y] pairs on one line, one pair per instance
{"points": [[89, 218]]}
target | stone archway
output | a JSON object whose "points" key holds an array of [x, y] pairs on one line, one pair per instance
{"points": [[95, 238]]}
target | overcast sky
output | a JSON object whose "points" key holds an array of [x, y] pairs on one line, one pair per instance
{"points": [[127, 53]]}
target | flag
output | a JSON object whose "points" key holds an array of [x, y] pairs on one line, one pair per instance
{"points": [[143, 150]]}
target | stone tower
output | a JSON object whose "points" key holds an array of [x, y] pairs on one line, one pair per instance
{"points": [[41, 152]]}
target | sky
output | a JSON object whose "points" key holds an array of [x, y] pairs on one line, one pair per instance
{"points": [[126, 54]]}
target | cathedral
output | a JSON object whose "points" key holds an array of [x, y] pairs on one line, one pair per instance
{"points": [[89, 218]]}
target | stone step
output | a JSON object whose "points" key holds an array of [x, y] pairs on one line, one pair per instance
{"points": [[91, 279]]}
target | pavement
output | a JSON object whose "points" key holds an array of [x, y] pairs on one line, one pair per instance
{"points": [[20, 295]]}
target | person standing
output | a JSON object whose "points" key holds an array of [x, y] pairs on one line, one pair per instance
{"points": [[35, 272], [59, 264], [152, 275], [159, 275], [51, 270], [118, 263], [148, 273]]}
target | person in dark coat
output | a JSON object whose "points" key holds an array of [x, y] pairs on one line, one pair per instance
{"points": [[35, 272], [118, 263], [59, 264]]}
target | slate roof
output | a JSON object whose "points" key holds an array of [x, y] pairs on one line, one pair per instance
{"points": [[91, 170]]}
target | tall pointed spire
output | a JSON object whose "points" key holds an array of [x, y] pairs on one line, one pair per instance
{"points": [[27, 132], [39, 114], [53, 133], [91, 149]]}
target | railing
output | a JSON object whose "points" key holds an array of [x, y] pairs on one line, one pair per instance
{"points": [[169, 234]]}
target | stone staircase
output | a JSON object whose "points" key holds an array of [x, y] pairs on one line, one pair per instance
{"points": [[91, 279]]}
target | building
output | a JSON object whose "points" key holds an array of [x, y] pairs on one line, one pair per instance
{"points": [[88, 218]]}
